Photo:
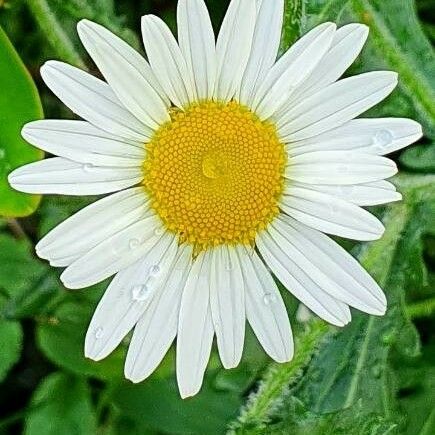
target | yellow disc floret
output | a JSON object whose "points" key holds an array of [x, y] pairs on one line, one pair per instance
{"points": [[214, 174]]}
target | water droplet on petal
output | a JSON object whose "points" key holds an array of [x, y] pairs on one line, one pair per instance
{"points": [[140, 292], [133, 243], [98, 333], [87, 167], [333, 208], [343, 169], [154, 270], [382, 140], [229, 266], [269, 299]]}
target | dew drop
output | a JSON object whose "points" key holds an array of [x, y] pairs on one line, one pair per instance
{"points": [[382, 139], [154, 270], [343, 169], [229, 266], [133, 243], [87, 167], [140, 292], [2, 153], [333, 208], [98, 333], [377, 371], [269, 299]]}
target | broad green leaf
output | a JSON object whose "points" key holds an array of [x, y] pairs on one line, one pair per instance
{"points": [[19, 103], [27, 283], [420, 158], [353, 421], [156, 403], [61, 337], [398, 43], [61, 405], [19, 268], [416, 389], [11, 340]]}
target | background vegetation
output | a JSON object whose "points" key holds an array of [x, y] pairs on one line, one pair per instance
{"points": [[376, 376]]}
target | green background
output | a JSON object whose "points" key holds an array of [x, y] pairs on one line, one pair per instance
{"points": [[376, 376]]}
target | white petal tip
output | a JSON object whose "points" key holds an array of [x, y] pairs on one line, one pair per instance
{"points": [[134, 378], [92, 356], [83, 23], [186, 394], [69, 284], [284, 358]]}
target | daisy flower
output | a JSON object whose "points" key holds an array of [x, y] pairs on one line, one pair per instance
{"points": [[226, 166]]}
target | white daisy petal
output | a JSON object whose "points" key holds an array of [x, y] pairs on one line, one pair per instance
{"points": [[227, 302], [375, 193], [167, 61], [157, 327], [339, 167], [329, 265], [299, 282], [93, 100], [330, 214], [65, 177], [197, 43], [291, 69], [265, 45], [195, 328], [127, 73], [233, 47], [127, 298], [83, 143], [347, 44], [92, 225], [265, 309], [335, 105], [377, 136], [115, 253]]}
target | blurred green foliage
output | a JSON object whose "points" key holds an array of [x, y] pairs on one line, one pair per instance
{"points": [[376, 376]]}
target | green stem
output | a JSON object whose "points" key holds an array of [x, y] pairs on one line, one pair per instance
{"points": [[418, 310], [278, 378], [57, 37]]}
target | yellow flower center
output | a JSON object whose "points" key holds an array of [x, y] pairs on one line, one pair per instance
{"points": [[214, 174]]}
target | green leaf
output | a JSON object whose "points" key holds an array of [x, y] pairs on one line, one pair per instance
{"points": [[61, 405], [28, 283], [19, 103], [416, 389], [61, 337], [350, 421], [399, 43], [19, 268], [420, 158], [11, 340], [157, 404]]}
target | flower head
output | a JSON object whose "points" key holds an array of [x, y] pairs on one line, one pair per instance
{"points": [[229, 165]]}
